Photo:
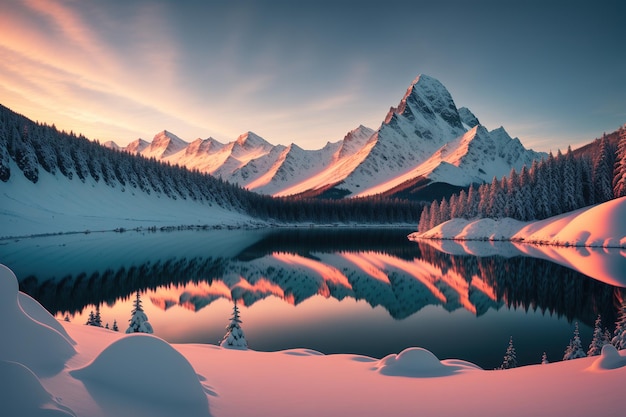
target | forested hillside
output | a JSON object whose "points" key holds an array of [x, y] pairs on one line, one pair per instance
{"points": [[553, 186], [32, 150]]}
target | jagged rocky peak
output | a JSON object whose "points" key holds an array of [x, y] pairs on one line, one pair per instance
{"points": [[165, 144], [203, 146], [468, 117], [165, 138], [428, 99], [111, 145], [251, 140], [137, 146]]}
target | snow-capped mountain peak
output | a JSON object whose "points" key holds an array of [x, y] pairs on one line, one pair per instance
{"points": [[164, 144], [425, 136]]}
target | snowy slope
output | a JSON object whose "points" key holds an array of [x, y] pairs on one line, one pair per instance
{"points": [[57, 204], [109, 373], [425, 135]]}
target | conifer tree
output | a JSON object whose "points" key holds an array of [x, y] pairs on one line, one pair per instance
{"points": [[424, 223], [597, 341], [90, 319], [603, 173], [115, 328], [619, 338], [510, 357], [234, 338], [619, 172], [67, 317], [544, 359], [97, 319], [575, 348], [138, 320]]}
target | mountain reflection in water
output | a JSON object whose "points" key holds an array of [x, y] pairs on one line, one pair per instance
{"points": [[379, 267]]}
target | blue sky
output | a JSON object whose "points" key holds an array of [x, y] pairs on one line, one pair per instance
{"points": [[552, 73]]}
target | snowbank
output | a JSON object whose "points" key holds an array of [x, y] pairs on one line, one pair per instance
{"points": [[602, 225], [109, 373], [146, 368], [418, 362]]}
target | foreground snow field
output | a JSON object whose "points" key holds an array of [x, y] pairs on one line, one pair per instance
{"points": [[601, 225], [73, 369]]}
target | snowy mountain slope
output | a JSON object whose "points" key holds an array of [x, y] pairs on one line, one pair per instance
{"points": [[425, 135]]}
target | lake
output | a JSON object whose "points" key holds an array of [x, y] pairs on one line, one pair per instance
{"points": [[335, 290]]}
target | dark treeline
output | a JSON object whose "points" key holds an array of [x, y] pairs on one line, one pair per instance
{"points": [[548, 188], [35, 147]]}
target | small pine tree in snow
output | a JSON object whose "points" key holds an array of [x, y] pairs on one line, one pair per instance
{"points": [[115, 328], [234, 338], [510, 357], [67, 317], [91, 319], [97, 319], [106, 326], [138, 320], [619, 338], [544, 359], [595, 347], [575, 348]]}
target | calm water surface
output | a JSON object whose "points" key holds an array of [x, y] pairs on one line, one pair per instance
{"points": [[363, 291]]}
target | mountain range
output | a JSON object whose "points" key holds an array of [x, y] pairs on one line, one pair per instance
{"points": [[422, 141]]}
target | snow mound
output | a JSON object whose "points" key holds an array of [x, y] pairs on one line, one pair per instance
{"points": [[146, 368], [38, 313], [600, 225], [23, 395], [302, 352], [419, 362], [610, 358], [23, 337]]}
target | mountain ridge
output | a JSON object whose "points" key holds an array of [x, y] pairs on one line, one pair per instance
{"points": [[411, 142]]}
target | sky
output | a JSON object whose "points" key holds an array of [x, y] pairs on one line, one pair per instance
{"points": [[552, 72]]}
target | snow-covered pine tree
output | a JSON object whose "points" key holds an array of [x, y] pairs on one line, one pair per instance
{"points": [[483, 201], [603, 173], [597, 341], [234, 338], [461, 210], [619, 337], [106, 326], [138, 320], [575, 348], [424, 222], [454, 206], [606, 338], [619, 171], [434, 214], [115, 328], [510, 357], [544, 359], [472, 202], [526, 207], [66, 318]]}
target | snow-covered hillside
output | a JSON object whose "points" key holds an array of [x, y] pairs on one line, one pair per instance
{"points": [[54, 182], [425, 136], [90, 371], [56, 204], [601, 225]]}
